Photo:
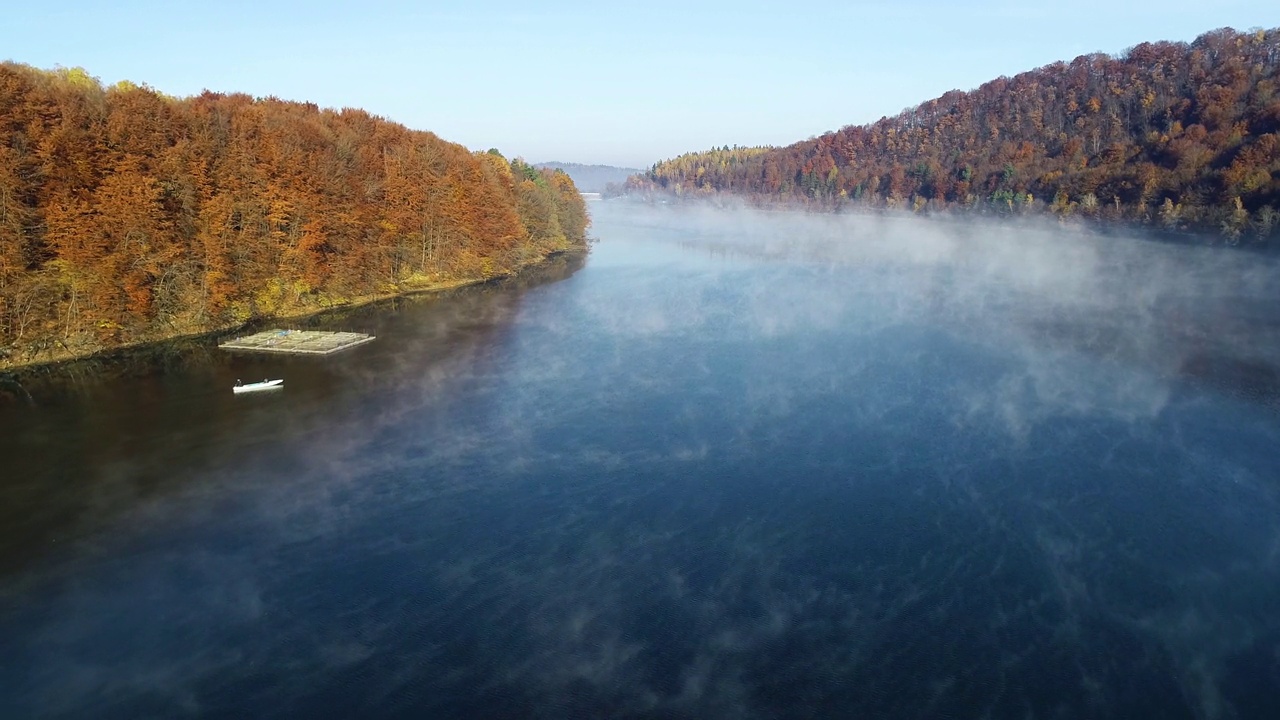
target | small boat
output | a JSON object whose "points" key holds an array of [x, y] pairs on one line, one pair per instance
{"points": [[255, 387]]}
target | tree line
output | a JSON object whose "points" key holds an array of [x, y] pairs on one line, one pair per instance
{"points": [[1175, 135], [127, 215]]}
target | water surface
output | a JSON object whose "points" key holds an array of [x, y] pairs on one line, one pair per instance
{"points": [[737, 465]]}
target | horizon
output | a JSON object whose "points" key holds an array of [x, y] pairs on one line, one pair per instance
{"points": [[641, 84]]}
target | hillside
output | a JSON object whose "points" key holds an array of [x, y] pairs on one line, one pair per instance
{"points": [[1176, 135], [592, 178], [129, 216]]}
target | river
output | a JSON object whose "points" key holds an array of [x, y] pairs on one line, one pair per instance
{"points": [[733, 464]]}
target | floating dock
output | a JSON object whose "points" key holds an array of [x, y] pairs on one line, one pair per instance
{"points": [[298, 342]]}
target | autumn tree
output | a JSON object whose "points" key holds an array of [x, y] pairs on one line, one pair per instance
{"points": [[1179, 134], [128, 215]]}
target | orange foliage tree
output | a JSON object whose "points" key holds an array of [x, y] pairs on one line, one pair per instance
{"points": [[127, 215], [1174, 134]]}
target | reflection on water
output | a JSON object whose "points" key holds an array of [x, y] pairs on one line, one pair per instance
{"points": [[82, 449], [885, 470]]}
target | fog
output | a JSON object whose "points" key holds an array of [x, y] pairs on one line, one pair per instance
{"points": [[1183, 310], [741, 464]]}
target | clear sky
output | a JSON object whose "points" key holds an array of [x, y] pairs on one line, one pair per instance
{"points": [[605, 81]]}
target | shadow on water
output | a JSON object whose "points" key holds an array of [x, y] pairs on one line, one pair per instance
{"points": [[95, 437], [1246, 378]]}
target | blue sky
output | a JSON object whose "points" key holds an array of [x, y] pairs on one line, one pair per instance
{"points": [[596, 82]]}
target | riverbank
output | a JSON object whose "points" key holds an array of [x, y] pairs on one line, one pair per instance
{"points": [[14, 375]]}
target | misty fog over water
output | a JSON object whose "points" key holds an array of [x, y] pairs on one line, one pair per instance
{"points": [[736, 464]]}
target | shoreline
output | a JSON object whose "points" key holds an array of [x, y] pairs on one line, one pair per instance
{"points": [[12, 376]]}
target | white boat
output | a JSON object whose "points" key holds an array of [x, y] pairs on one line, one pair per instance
{"points": [[255, 387]]}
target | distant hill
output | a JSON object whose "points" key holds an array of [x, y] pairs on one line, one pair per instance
{"points": [[592, 178], [1170, 134]]}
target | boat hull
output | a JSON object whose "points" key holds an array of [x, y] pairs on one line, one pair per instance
{"points": [[258, 386]]}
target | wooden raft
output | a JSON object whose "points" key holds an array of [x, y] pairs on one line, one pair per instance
{"points": [[300, 342]]}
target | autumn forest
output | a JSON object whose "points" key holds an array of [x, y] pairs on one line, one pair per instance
{"points": [[128, 216], [1177, 136]]}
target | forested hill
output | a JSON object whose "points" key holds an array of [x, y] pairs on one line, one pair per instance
{"points": [[127, 215], [592, 178], [1170, 134]]}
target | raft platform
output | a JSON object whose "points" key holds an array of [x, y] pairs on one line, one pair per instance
{"points": [[298, 342]]}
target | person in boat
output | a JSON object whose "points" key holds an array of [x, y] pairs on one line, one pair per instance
{"points": [[238, 383]]}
